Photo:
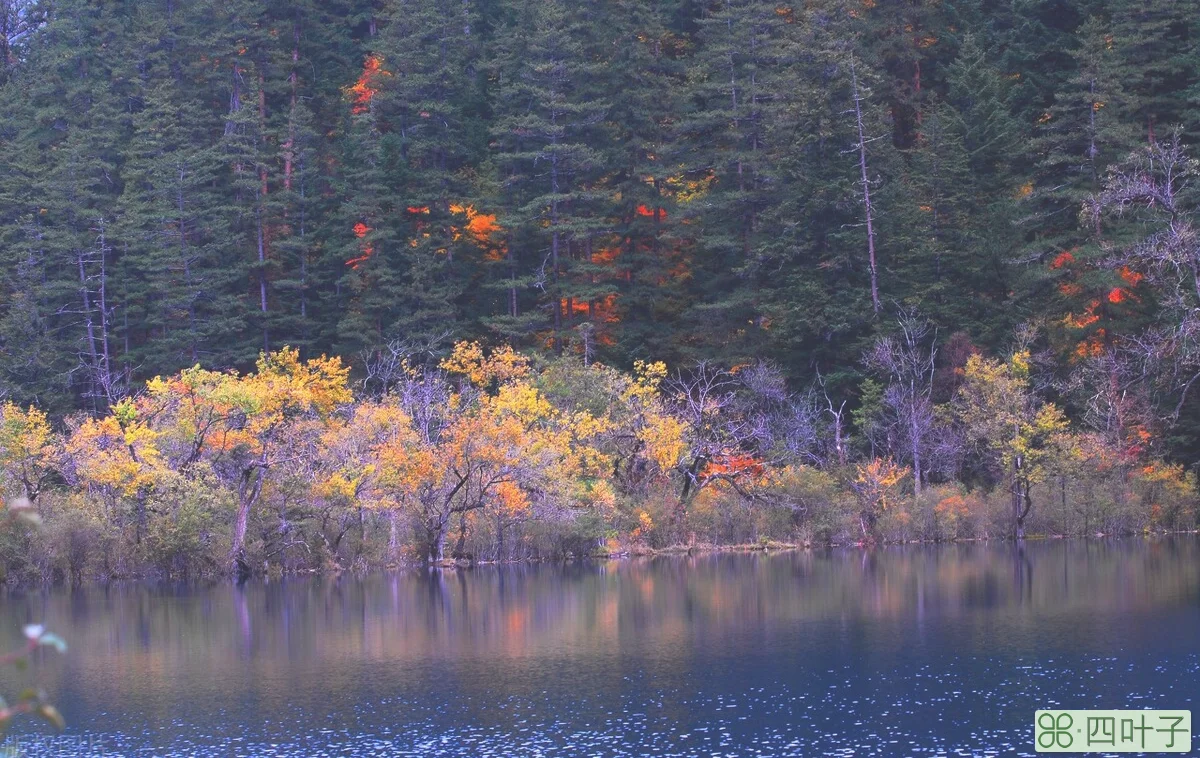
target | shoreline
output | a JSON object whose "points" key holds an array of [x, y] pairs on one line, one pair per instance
{"points": [[632, 552]]}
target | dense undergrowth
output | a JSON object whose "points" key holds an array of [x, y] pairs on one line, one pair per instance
{"points": [[495, 456]]}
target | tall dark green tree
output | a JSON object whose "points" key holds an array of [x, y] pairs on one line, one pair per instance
{"points": [[546, 127]]}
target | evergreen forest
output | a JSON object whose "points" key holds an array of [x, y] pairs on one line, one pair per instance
{"points": [[343, 283]]}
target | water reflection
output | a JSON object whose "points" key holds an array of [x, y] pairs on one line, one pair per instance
{"points": [[954, 644]]}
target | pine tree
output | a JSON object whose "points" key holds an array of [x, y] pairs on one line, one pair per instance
{"points": [[816, 256], [646, 257], [1091, 125], [736, 89], [69, 153], [177, 287], [961, 186], [429, 103], [545, 127], [1156, 44]]}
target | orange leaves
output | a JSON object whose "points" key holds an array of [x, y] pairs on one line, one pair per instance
{"points": [[1062, 259], [1121, 294], [480, 227], [364, 90], [1169, 490], [601, 310], [877, 487], [953, 507], [658, 213], [606, 256], [361, 230], [510, 498], [644, 527], [1097, 316], [878, 478], [1131, 277], [358, 260], [732, 465], [1085, 319], [499, 451], [1092, 347]]}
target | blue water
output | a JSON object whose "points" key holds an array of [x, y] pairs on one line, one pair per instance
{"points": [[903, 651]]}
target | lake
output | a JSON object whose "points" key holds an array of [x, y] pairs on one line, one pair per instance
{"points": [[899, 651]]}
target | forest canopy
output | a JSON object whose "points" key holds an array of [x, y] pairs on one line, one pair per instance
{"points": [[955, 241]]}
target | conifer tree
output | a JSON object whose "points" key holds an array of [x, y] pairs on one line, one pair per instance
{"points": [[546, 124]]}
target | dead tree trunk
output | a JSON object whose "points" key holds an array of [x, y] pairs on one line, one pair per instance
{"points": [[861, 146]]}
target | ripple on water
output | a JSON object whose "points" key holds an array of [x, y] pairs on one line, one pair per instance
{"points": [[916, 710]]}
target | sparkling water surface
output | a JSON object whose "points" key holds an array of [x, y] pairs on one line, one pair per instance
{"points": [[902, 651]]}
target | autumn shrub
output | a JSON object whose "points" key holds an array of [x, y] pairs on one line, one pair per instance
{"points": [[21, 546], [490, 455], [877, 484], [720, 515], [804, 504], [74, 537], [1167, 496], [182, 542], [951, 511], [645, 521]]}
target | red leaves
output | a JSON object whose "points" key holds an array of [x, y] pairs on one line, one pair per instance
{"points": [[363, 90], [361, 230], [1062, 259], [732, 465]]}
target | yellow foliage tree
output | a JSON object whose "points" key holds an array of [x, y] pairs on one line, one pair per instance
{"points": [[499, 451], [1001, 415], [28, 448], [877, 487], [117, 456], [237, 424]]}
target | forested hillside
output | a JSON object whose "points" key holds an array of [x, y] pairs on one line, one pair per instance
{"points": [[864, 193]]}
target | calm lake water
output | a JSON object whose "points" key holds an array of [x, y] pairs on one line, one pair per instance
{"points": [[902, 651]]}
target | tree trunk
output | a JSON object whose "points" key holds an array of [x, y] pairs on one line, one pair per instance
{"points": [[393, 537], [93, 354], [436, 543], [1022, 501], [247, 495], [185, 258], [915, 435], [499, 537], [866, 191], [259, 211]]}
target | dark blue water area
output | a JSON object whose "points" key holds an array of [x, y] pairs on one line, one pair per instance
{"points": [[905, 651]]}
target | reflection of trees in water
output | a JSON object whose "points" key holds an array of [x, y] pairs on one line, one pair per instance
{"points": [[1023, 578], [412, 628]]}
